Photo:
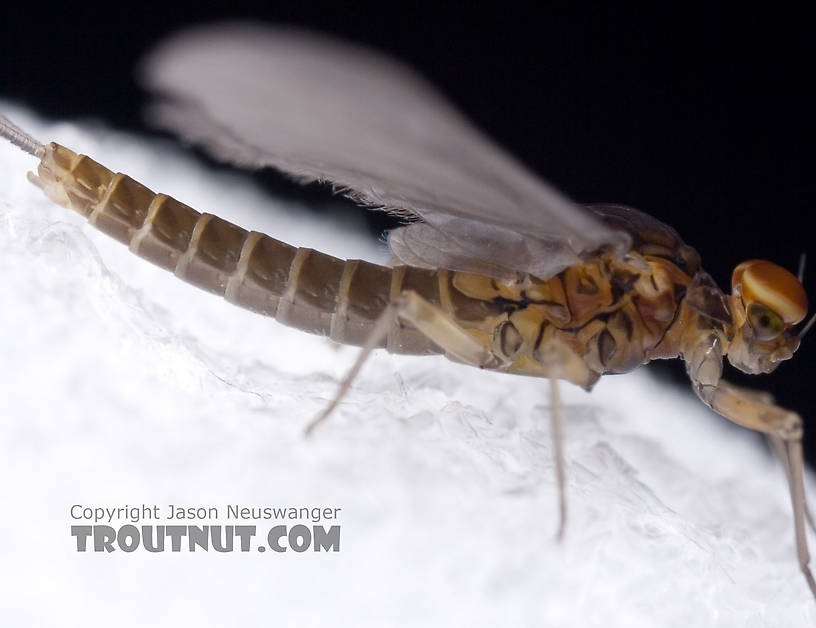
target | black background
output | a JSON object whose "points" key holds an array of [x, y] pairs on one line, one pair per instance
{"points": [[702, 116]]}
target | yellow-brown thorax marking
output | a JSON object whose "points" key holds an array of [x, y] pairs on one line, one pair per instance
{"points": [[605, 316]]}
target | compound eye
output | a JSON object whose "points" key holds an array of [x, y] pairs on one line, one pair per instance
{"points": [[772, 286], [766, 323]]}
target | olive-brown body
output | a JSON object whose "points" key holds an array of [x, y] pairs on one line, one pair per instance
{"points": [[606, 315]]}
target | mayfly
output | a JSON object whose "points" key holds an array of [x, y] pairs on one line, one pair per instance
{"points": [[496, 268]]}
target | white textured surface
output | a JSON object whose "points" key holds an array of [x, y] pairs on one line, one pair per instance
{"points": [[121, 385]]}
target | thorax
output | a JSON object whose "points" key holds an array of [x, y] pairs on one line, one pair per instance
{"points": [[609, 314]]}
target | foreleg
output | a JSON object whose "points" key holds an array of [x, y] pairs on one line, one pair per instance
{"points": [[781, 451], [757, 412]]}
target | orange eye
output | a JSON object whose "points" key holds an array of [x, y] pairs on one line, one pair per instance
{"points": [[774, 287]]}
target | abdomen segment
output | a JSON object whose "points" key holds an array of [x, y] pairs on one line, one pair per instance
{"points": [[300, 287]]}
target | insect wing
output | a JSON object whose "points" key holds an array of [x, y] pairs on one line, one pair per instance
{"points": [[324, 110]]}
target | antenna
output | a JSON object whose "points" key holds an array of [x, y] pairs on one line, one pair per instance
{"points": [[20, 138], [807, 326], [801, 274]]}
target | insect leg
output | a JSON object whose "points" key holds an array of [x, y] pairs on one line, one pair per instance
{"points": [[557, 427], [776, 443], [797, 488], [440, 327], [781, 451], [378, 333], [756, 412], [428, 319]]}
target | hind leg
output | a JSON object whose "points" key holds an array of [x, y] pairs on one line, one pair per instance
{"points": [[428, 319]]}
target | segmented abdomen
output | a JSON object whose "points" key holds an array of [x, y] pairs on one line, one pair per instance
{"points": [[300, 287]]}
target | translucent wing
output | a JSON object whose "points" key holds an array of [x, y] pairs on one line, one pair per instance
{"points": [[325, 110]]}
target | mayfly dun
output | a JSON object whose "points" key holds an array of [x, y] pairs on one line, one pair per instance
{"points": [[496, 268]]}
